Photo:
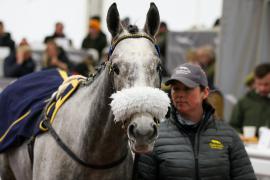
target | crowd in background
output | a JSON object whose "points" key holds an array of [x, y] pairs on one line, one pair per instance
{"points": [[20, 62]]}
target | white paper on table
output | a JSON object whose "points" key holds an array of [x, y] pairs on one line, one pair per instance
{"points": [[264, 140]]}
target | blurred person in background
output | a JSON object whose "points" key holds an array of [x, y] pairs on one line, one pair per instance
{"points": [[161, 38], [217, 24], [20, 63], [105, 54], [5, 38], [253, 109], [58, 34], [206, 58], [191, 56], [192, 144], [87, 66], [250, 81], [95, 38], [215, 97], [24, 42], [55, 57], [125, 22]]}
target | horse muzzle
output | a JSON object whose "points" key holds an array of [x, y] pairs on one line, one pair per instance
{"points": [[141, 106], [142, 133]]}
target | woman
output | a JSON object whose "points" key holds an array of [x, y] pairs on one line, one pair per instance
{"points": [[20, 63], [55, 57], [191, 144]]}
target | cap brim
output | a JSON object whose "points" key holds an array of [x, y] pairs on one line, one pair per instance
{"points": [[185, 81]]}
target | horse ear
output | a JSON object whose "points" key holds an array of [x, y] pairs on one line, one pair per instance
{"points": [[152, 20], [113, 21]]}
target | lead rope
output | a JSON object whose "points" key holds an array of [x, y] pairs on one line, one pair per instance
{"points": [[73, 156], [135, 167]]}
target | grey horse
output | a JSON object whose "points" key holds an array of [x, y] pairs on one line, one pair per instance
{"points": [[103, 122]]}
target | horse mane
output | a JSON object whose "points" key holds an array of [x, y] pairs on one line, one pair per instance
{"points": [[133, 29]]}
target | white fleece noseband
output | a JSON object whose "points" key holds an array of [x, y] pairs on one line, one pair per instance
{"points": [[127, 102]]}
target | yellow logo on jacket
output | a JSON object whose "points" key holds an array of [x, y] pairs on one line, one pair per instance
{"points": [[216, 144]]}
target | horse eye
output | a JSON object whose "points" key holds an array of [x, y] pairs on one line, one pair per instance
{"points": [[156, 120], [115, 69]]}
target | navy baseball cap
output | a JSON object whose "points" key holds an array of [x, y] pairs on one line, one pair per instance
{"points": [[191, 75]]}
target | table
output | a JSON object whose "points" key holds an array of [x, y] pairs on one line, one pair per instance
{"points": [[260, 159]]}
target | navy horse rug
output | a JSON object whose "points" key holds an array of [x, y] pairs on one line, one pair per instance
{"points": [[22, 104]]}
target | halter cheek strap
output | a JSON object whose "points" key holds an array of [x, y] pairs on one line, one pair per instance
{"points": [[156, 46], [158, 49], [110, 52]]}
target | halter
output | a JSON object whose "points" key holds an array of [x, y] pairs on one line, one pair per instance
{"points": [[73, 156], [128, 36]]}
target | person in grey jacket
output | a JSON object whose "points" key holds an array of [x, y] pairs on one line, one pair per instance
{"points": [[192, 145]]}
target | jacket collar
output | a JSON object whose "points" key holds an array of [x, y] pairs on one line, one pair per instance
{"points": [[208, 115]]}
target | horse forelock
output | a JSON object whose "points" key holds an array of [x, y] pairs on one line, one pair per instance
{"points": [[132, 29]]}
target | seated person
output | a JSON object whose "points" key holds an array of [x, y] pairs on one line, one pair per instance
{"points": [[206, 58], [55, 57], [215, 98], [19, 64], [5, 38], [58, 34], [88, 65], [254, 108], [95, 38], [23, 42]]}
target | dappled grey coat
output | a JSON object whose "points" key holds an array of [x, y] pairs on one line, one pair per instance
{"points": [[218, 153]]}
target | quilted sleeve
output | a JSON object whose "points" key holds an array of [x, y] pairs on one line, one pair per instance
{"points": [[241, 168]]}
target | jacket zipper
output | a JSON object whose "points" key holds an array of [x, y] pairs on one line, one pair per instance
{"points": [[196, 143], [194, 148], [197, 146]]}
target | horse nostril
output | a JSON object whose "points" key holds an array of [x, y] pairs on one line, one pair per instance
{"points": [[155, 131], [131, 130], [136, 131]]}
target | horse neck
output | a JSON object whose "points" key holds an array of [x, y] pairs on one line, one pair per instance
{"points": [[102, 137]]}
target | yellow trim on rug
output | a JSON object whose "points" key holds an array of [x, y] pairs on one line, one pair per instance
{"points": [[50, 106], [63, 74], [13, 124], [59, 102]]}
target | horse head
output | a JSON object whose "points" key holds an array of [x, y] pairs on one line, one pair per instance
{"points": [[135, 67]]}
